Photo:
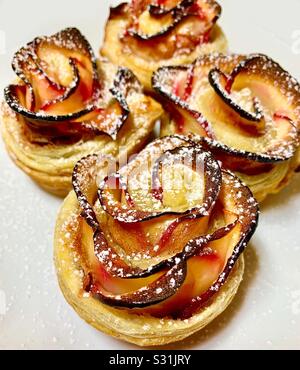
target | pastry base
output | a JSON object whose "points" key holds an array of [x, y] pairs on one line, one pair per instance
{"points": [[145, 331]]}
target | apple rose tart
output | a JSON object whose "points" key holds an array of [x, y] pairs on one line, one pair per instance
{"points": [[144, 35], [65, 104], [152, 253], [246, 109]]}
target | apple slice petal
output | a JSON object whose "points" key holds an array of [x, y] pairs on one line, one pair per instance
{"points": [[219, 81], [85, 187], [109, 258], [156, 292], [248, 213], [169, 18], [110, 120], [175, 85]]}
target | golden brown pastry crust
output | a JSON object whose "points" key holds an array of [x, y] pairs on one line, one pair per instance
{"points": [[283, 173], [51, 164], [113, 49], [141, 330]]}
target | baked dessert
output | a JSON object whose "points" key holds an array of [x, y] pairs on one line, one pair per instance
{"points": [[65, 104], [144, 35], [152, 253], [246, 110]]}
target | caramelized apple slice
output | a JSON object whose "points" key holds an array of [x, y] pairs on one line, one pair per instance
{"points": [[118, 268], [85, 186], [107, 120], [109, 258], [238, 199], [155, 21], [157, 291], [222, 84]]}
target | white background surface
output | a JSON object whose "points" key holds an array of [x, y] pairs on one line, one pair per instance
{"points": [[265, 313]]}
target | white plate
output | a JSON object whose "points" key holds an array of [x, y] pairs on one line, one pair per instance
{"points": [[265, 313]]}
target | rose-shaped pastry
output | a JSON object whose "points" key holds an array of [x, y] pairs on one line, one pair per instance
{"points": [[153, 253], [66, 104], [147, 34], [246, 110]]}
